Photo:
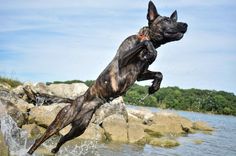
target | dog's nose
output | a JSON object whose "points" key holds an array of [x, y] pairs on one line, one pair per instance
{"points": [[182, 27], [185, 25]]}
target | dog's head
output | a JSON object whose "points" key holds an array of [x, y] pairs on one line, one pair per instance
{"points": [[164, 29]]}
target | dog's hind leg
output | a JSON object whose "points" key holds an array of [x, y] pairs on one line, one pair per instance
{"points": [[78, 128], [157, 78], [80, 123], [63, 118]]}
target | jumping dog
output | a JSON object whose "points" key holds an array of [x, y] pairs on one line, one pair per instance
{"points": [[130, 63]]}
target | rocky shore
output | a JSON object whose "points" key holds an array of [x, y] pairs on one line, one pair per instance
{"points": [[34, 106]]}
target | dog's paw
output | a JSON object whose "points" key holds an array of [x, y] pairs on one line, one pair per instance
{"points": [[54, 150], [152, 89]]}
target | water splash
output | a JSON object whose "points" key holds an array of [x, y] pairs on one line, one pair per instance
{"points": [[87, 147], [15, 138], [39, 101]]}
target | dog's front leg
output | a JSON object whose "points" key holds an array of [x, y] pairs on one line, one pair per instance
{"points": [[157, 78], [127, 56]]}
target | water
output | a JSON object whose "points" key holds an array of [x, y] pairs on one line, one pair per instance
{"points": [[15, 138], [221, 142]]}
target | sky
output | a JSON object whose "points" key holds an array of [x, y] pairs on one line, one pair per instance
{"points": [[48, 40]]}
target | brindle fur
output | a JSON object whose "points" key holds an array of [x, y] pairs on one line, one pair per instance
{"points": [[130, 63]]}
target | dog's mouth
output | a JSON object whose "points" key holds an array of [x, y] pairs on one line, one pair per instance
{"points": [[174, 35]]}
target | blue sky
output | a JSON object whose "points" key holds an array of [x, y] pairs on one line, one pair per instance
{"points": [[63, 39]]}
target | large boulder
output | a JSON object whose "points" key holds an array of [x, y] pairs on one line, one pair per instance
{"points": [[115, 127], [44, 115], [68, 90]]}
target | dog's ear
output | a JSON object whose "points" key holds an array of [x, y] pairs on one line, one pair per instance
{"points": [[152, 12], [174, 16]]}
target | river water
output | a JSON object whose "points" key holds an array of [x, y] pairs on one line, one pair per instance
{"points": [[222, 142]]}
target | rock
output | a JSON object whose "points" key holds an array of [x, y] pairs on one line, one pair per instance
{"points": [[43, 151], [19, 90], [33, 130], [19, 117], [202, 126], [164, 142], [4, 150], [5, 86], [15, 107], [23, 106], [117, 106], [198, 141], [9, 101], [68, 90], [169, 124], [153, 133], [115, 127], [135, 132], [2, 109], [143, 114], [135, 129], [44, 115], [65, 130], [40, 88], [94, 132]]}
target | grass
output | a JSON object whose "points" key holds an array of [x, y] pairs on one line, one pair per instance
{"points": [[11, 82]]}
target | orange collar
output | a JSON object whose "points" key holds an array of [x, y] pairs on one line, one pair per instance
{"points": [[142, 37]]}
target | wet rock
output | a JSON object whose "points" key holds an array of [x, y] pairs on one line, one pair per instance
{"points": [[202, 126], [115, 127], [198, 141], [164, 142]]}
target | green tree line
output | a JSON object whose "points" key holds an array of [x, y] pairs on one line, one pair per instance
{"points": [[217, 102]]}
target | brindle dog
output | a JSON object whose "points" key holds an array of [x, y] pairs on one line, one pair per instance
{"points": [[130, 63]]}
